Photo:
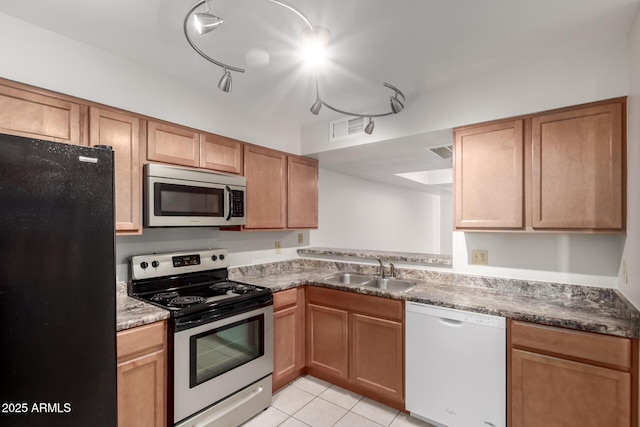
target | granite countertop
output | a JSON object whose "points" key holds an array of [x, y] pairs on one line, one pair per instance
{"points": [[131, 312], [437, 260], [584, 308]]}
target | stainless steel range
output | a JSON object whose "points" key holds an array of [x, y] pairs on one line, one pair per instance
{"points": [[221, 334]]}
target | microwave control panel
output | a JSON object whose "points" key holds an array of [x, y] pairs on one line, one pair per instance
{"points": [[237, 201]]}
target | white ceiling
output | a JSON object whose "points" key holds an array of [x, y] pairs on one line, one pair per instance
{"points": [[415, 45]]}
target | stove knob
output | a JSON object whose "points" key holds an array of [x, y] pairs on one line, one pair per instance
{"points": [[221, 257], [144, 265], [214, 258], [155, 264]]}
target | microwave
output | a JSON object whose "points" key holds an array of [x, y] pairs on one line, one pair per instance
{"points": [[183, 197]]}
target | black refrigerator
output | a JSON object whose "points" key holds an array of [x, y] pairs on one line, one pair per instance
{"points": [[57, 285]]}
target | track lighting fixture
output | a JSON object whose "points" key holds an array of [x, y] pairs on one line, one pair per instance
{"points": [[225, 81], [205, 22], [368, 129], [315, 108]]}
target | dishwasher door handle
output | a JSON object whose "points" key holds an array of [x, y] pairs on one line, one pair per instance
{"points": [[450, 322]]}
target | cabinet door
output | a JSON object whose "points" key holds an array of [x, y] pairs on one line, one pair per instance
{"points": [[141, 391], [220, 153], [122, 133], [327, 342], [35, 115], [548, 391], [577, 168], [288, 336], [142, 376], [302, 193], [377, 355], [173, 144], [489, 176], [265, 171]]}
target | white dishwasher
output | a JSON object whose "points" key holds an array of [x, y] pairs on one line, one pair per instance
{"points": [[455, 366]]}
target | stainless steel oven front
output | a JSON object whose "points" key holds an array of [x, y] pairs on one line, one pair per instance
{"points": [[222, 367]]}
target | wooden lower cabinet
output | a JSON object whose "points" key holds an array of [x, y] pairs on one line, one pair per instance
{"points": [[357, 342], [560, 377], [142, 394], [328, 341], [377, 355], [288, 336]]}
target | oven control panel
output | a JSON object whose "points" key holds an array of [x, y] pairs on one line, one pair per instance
{"points": [[167, 264]]}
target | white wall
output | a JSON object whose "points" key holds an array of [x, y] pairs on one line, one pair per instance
{"points": [[45, 59], [245, 248], [359, 214], [630, 285]]}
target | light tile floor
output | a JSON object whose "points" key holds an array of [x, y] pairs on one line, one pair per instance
{"points": [[311, 402]]}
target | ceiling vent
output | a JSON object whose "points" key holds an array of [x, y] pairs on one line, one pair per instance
{"points": [[343, 128], [442, 151]]}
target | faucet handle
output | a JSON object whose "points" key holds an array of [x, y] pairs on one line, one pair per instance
{"points": [[381, 268]]}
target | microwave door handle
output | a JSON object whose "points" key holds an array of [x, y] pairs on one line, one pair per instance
{"points": [[227, 190]]}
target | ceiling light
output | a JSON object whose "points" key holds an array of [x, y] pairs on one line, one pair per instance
{"points": [[315, 108], [205, 22], [315, 37], [225, 81], [396, 104], [368, 129], [314, 42]]}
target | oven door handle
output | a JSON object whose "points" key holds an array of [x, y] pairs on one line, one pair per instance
{"points": [[229, 202]]}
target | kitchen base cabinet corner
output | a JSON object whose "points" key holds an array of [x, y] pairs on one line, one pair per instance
{"points": [[561, 377], [288, 336], [142, 376]]}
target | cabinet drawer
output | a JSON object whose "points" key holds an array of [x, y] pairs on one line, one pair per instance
{"points": [[142, 339], [284, 299], [359, 303], [601, 349]]}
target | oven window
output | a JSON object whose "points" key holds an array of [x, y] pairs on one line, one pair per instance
{"points": [[222, 349], [183, 200]]}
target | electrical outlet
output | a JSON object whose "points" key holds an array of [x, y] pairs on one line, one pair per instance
{"points": [[300, 238], [480, 257], [278, 247]]}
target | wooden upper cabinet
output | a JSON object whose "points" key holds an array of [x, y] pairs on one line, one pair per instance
{"points": [[489, 176], [302, 192], [560, 170], [221, 153], [34, 114], [577, 168], [173, 144], [121, 132], [265, 171]]}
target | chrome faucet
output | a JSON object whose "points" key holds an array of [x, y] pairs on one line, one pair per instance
{"points": [[381, 268], [392, 273]]}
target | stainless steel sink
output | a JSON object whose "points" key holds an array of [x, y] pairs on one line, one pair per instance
{"points": [[393, 285], [348, 278]]}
